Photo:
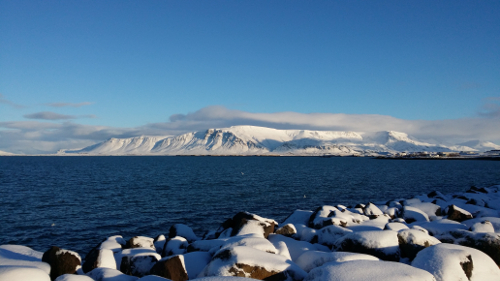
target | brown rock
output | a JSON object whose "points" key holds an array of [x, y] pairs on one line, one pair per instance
{"points": [[287, 230], [91, 259], [467, 266], [457, 214], [412, 241], [61, 261], [171, 268]]}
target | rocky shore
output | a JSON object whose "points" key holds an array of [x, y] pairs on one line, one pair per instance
{"points": [[429, 237]]}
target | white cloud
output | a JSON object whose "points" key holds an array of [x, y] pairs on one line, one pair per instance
{"points": [[42, 136]]}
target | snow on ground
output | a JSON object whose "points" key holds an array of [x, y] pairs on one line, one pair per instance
{"points": [[417, 242]]}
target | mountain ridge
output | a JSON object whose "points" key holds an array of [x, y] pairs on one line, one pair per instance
{"points": [[253, 140]]}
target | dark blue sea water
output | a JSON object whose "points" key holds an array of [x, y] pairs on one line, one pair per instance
{"points": [[75, 202]]}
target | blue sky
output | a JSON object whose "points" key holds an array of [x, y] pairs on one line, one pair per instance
{"points": [[130, 64]]}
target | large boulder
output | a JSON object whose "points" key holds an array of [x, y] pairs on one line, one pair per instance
{"points": [[248, 262], [429, 208], [329, 234], [456, 213], [22, 256], [412, 214], [455, 262], [321, 218], [108, 274], [140, 242], [396, 226], [175, 246], [439, 227], [159, 243], [488, 243], [250, 241], [381, 244], [287, 230], [22, 273], [483, 226], [246, 223], [114, 243], [182, 230], [296, 248], [312, 259], [182, 267], [372, 211], [61, 261], [99, 258], [172, 268], [362, 270], [298, 217], [412, 241], [138, 261]]}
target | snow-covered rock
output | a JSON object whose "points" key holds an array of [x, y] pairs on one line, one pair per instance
{"points": [[396, 226], [248, 262], [171, 267], [245, 223], [108, 274], [159, 242], [175, 246], [412, 214], [456, 213], [371, 210], [296, 248], [329, 234], [439, 227], [455, 262], [495, 222], [362, 270], [411, 241], [483, 226], [382, 244], [138, 261], [312, 259], [22, 273], [141, 242], [182, 230], [21, 256]]}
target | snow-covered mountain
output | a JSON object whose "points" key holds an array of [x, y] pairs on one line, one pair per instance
{"points": [[251, 140], [481, 145]]}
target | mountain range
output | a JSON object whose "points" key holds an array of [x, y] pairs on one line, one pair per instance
{"points": [[251, 140]]}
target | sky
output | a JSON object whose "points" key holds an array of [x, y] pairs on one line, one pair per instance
{"points": [[73, 73]]}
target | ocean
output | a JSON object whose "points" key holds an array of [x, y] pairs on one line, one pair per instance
{"points": [[76, 202]]}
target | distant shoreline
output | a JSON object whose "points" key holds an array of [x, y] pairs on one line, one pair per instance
{"points": [[442, 159]]}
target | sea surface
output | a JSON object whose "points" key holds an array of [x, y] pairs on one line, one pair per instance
{"points": [[76, 202]]}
